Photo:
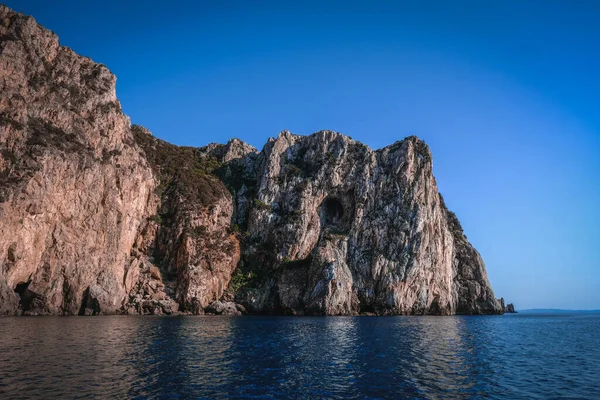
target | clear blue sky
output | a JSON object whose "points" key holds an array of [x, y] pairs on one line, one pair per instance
{"points": [[506, 93]]}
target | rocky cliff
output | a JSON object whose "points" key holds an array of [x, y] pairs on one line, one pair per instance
{"points": [[100, 217]]}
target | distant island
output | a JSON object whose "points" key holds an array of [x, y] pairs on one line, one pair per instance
{"points": [[100, 217]]}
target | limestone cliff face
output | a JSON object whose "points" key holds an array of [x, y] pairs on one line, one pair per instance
{"points": [[80, 201], [98, 216], [344, 229], [73, 186]]}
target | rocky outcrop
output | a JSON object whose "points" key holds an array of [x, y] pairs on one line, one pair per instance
{"points": [[341, 229], [98, 216], [225, 308], [508, 308]]}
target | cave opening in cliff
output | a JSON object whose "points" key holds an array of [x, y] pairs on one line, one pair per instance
{"points": [[22, 287], [89, 304], [26, 296], [332, 212]]}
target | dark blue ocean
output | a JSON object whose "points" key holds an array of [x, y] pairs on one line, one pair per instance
{"points": [[523, 356]]}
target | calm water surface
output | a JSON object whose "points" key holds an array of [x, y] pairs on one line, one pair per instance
{"points": [[504, 357]]}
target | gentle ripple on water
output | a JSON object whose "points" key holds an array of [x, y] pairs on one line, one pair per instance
{"points": [[504, 357]]}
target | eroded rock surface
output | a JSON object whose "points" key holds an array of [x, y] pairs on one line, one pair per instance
{"points": [[88, 224], [342, 229], [74, 187], [98, 216]]}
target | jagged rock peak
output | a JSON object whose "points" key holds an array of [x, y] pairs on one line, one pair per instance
{"points": [[329, 135], [236, 149], [507, 308]]}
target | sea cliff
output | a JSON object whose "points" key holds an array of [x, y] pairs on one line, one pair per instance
{"points": [[98, 216]]}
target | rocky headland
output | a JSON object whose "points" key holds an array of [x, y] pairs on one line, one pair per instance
{"points": [[98, 216]]}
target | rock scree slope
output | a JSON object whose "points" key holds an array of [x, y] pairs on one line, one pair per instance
{"points": [[100, 217]]}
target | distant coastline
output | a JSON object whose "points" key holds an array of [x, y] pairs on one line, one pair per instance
{"points": [[556, 311]]}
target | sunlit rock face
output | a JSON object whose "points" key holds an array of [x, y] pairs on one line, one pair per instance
{"points": [[74, 187], [87, 225], [99, 217], [344, 229]]}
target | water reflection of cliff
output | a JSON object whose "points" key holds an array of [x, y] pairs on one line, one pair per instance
{"points": [[57, 356], [392, 357], [184, 357], [349, 357], [415, 357], [437, 365]]}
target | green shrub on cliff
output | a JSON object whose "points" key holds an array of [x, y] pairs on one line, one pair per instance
{"points": [[184, 170], [241, 279], [261, 205]]}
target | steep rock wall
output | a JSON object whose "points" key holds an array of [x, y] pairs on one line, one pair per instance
{"points": [[340, 229], [81, 200], [73, 186]]}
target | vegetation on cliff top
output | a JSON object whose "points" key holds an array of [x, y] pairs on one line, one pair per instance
{"points": [[186, 170]]}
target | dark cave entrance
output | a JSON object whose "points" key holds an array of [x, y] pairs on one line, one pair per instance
{"points": [[28, 300], [89, 304], [332, 212], [21, 288]]}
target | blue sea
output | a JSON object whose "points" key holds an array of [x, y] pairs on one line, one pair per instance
{"points": [[522, 356]]}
